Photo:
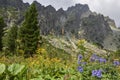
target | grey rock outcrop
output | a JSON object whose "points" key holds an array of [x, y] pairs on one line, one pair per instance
{"points": [[95, 28]]}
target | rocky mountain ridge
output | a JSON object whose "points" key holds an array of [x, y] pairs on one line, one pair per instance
{"points": [[75, 22]]}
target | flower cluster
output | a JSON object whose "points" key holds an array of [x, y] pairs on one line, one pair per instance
{"points": [[41, 51], [97, 58], [97, 73], [102, 60], [80, 42], [79, 58], [94, 57], [80, 69], [116, 63]]}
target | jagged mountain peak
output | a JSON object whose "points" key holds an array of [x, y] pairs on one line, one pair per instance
{"points": [[60, 10], [77, 21], [51, 8], [78, 7]]}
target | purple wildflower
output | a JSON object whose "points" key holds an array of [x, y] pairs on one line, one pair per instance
{"points": [[80, 57], [80, 69], [97, 73], [116, 63], [94, 72], [102, 60], [94, 57], [79, 62]]}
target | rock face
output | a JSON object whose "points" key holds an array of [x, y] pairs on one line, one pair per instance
{"points": [[18, 4], [110, 22], [61, 22], [77, 21], [13, 10], [95, 28]]}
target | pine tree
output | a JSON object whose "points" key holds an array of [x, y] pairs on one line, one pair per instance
{"points": [[2, 26], [29, 32], [11, 38]]}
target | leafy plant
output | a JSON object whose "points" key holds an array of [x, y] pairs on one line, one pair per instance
{"points": [[16, 69], [2, 68]]}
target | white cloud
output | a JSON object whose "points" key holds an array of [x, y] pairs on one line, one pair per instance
{"points": [[55, 3], [107, 7]]}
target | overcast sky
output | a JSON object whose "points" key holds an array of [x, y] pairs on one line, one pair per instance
{"points": [[109, 8]]}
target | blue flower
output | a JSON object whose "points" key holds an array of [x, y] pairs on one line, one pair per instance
{"points": [[80, 57], [102, 60], [97, 73], [116, 63], [80, 69], [94, 57], [79, 62], [94, 72]]}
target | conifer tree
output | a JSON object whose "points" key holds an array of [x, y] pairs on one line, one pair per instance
{"points": [[11, 38], [2, 26], [29, 32]]}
